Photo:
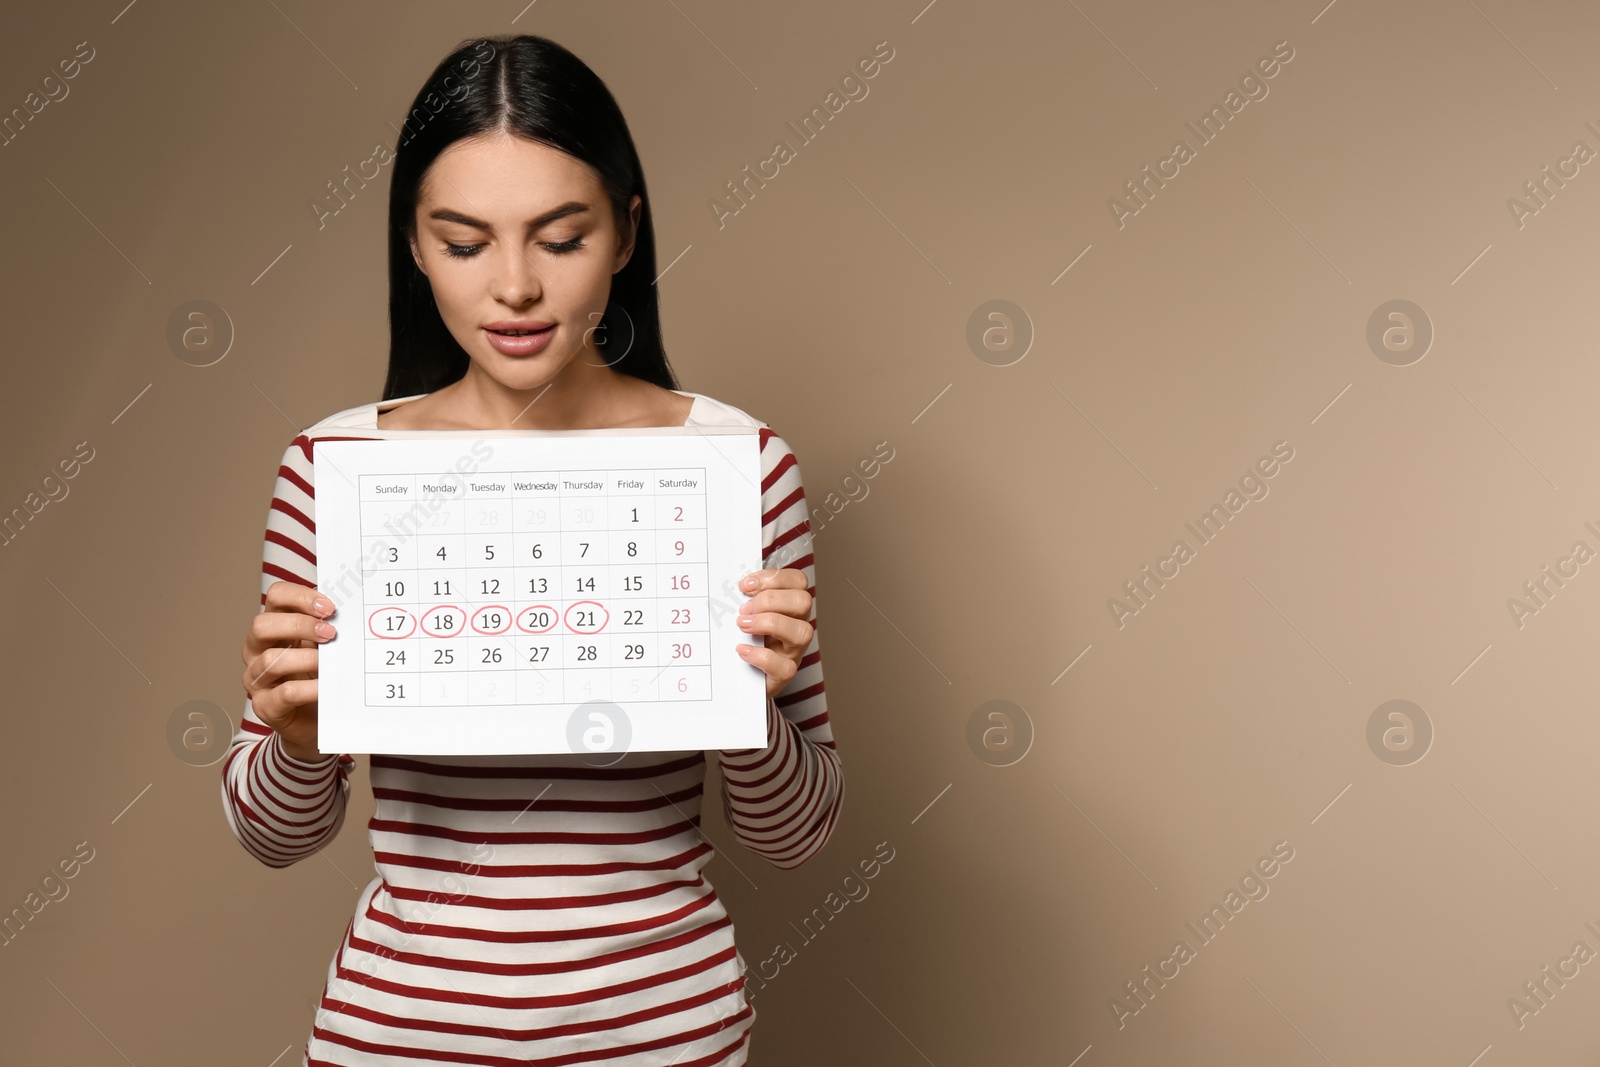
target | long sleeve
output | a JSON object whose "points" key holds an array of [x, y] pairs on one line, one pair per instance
{"points": [[282, 809], [782, 800]]}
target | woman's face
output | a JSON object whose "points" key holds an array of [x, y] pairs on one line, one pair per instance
{"points": [[510, 231]]}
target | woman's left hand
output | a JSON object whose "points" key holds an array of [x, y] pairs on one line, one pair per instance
{"points": [[779, 608]]}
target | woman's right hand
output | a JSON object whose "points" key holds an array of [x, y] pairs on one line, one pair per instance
{"points": [[280, 664]]}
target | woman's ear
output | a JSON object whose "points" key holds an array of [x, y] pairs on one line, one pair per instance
{"points": [[627, 241], [416, 256]]}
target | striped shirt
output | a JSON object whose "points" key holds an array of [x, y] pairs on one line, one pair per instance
{"points": [[537, 909]]}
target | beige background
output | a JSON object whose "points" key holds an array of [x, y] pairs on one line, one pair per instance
{"points": [[1230, 313]]}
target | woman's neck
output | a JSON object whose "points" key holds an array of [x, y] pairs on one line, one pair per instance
{"points": [[596, 397]]}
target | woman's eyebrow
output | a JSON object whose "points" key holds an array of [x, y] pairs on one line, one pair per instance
{"points": [[571, 207]]}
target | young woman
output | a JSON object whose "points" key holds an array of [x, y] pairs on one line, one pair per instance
{"points": [[536, 909]]}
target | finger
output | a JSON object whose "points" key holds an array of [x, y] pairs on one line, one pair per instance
{"points": [[775, 665], [773, 578], [792, 632], [786, 579], [292, 596], [286, 701], [271, 628], [796, 602], [272, 666]]}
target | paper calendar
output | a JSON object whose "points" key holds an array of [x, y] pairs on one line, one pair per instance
{"points": [[538, 591]]}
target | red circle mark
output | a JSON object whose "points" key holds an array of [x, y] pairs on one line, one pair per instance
{"points": [[555, 618], [434, 611], [372, 619], [490, 607], [606, 616]]}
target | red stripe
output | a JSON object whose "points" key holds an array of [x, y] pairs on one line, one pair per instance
{"points": [[580, 772], [539, 967], [687, 1036], [294, 513], [292, 476], [539, 870], [776, 472], [519, 803], [589, 900], [797, 497], [278, 572], [523, 937], [276, 538], [545, 1033], [800, 694], [789, 535], [528, 837], [561, 1000]]}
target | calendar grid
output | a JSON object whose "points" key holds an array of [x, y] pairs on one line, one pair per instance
{"points": [[536, 587]]}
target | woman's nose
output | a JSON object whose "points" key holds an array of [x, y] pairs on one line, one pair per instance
{"points": [[517, 280]]}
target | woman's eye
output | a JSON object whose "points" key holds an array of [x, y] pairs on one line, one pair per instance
{"points": [[559, 248]]}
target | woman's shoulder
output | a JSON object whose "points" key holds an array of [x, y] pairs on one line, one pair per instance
{"points": [[360, 417], [709, 411], [775, 451], [297, 454]]}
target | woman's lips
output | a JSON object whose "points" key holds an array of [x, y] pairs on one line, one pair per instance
{"points": [[520, 345]]}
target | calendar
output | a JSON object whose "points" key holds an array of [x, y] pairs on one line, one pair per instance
{"points": [[508, 592]]}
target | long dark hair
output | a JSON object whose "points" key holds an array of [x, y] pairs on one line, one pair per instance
{"points": [[534, 88]]}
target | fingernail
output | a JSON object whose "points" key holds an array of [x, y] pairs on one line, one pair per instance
{"points": [[323, 630], [747, 622], [744, 609], [748, 583], [322, 606]]}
